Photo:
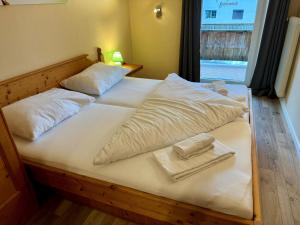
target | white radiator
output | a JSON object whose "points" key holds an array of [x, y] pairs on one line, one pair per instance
{"points": [[287, 57]]}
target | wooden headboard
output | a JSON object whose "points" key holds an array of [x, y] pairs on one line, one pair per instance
{"points": [[40, 80]]}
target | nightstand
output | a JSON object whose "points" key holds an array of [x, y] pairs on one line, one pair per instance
{"points": [[133, 68]]}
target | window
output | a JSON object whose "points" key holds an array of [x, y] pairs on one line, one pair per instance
{"points": [[210, 14], [238, 14]]}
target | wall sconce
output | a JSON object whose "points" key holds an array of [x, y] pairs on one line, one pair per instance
{"points": [[158, 11]]}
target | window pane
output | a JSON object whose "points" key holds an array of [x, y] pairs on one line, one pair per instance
{"points": [[238, 14], [226, 31], [210, 14]]}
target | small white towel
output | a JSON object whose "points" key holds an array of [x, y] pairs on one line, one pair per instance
{"points": [[195, 153], [194, 145], [178, 169]]}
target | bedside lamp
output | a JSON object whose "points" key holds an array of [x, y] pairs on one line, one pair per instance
{"points": [[117, 58]]}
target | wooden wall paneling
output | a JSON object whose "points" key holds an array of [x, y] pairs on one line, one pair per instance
{"points": [[11, 211], [6, 185], [1, 163], [17, 198]]}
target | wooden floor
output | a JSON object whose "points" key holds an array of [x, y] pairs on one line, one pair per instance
{"points": [[279, 165], [279, 169]]}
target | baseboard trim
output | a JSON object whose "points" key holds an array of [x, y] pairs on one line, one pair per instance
{"points": [[290, 125]]}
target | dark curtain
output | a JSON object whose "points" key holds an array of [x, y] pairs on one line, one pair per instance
{"points": [[189, 65], [272, 42]]}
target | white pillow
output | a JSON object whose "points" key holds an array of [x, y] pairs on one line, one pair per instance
{"points": [[31, 117], [96, 79]]}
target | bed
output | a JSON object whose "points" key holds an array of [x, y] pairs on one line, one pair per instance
{"points": [[121, 188]]}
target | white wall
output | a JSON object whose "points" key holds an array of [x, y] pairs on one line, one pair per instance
{"points": [[155, 42], [33, 36], [291, 103]]}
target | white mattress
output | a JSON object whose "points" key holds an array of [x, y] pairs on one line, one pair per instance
{"points": [[73, 144], [129, 92]]}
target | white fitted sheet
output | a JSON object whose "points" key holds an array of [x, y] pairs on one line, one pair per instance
{"points": [[132, 92], [129, 92], [72, 145]]}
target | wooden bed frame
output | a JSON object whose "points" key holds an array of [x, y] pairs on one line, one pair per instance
{"points": [[124, 202]]}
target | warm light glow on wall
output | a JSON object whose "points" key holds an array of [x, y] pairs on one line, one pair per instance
{"points": [[116, 29], [44, 35]]}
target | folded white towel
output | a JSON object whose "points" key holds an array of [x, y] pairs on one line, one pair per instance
{"points": [[194, 145], [195, 153], [179, 169]]}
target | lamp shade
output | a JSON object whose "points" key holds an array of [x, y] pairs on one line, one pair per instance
{"points": [[117, 58]]}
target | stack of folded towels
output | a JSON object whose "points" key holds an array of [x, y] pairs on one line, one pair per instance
{"points": [[192, 155]]}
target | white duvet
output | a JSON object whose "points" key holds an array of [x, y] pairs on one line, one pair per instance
{"points": [[174, 112]]}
